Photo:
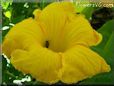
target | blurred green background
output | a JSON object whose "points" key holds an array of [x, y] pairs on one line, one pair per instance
{"points": [[100, 18]]}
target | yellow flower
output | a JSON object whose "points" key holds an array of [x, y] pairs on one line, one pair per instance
{"points": [[55, 45]]}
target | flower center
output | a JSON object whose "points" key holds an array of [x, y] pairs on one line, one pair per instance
{"points": [[56, 47], [47, 44]]}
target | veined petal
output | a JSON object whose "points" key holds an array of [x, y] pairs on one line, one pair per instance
{"points": [[40, 62], [80, 63], [62, 25], [22, 36], [58, 6], [79, 31], [53, 19], [36, 13]]}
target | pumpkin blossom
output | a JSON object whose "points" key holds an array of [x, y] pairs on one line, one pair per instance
{"points": [[54, 46]]}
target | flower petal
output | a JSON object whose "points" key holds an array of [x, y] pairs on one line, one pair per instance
{"points": [[62, 25], [57, 6], [22, 35], [80, 63], [41, 63], [53, 18], [79, 31]]}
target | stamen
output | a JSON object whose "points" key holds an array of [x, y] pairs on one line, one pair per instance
{"points": [[47, 44], [78, 13]]}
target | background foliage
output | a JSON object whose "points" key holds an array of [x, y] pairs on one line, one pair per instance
{"points": [[101, 19]]}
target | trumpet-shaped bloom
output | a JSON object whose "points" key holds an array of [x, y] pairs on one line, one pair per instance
{"points": [[55, 45]]}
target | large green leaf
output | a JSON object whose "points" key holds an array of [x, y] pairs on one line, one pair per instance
{"points": [[109, 47], [106, 30]]}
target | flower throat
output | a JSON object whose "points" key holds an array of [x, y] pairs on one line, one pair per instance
{"points": [[47, 44]]}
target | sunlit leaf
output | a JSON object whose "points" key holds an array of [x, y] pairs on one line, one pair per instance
{"points": [[7, 14], [5, 3]]}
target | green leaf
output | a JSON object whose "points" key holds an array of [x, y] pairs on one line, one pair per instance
{"points": [[5, 3], [7, 14], [106, 30], [88, 12], [109, 47], [4, 32], [18, 19]]}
